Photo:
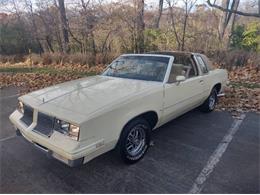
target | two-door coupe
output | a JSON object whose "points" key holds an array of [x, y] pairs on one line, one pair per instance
{"points": [[79, 120]]}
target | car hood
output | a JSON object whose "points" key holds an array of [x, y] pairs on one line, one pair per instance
{"points": [[87, 95]]}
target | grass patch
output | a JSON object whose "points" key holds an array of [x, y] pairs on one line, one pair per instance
{"points": [[44, 70], [246, 85]]}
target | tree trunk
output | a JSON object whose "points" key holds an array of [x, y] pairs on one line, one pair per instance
{"points": [[232, 22], [257, 15], [93, 45], [259, 7], [49, 45], [174, 25], [64, 27], [223, 19], [227, 21], [158, 18], [184, 32], [140, 26], [227, 17]]}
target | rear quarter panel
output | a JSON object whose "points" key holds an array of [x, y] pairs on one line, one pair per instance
{"points": [[214, 77]]}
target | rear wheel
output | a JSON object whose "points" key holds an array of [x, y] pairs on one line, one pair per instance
{"points": [[134, 140], [210, 103]]}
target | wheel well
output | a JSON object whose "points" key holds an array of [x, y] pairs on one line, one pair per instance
{"points": [[218, 87], [151, 117]]}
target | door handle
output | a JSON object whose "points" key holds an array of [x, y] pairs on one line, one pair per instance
{"points": [[201, 81]]}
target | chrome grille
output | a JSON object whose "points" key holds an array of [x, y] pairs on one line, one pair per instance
{"points": [[28, 115], [44, 124]]}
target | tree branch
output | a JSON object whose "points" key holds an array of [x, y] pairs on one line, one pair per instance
{"points": [[257, 15]]}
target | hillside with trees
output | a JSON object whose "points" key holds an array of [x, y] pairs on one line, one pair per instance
{"points": [[98, 28]]}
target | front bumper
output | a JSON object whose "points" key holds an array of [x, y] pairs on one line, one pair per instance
{"points": [[58, 146], [51, 154]]}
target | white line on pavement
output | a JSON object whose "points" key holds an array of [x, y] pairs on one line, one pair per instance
{"points": [[10, 96], [7, 138], [215, 157]]}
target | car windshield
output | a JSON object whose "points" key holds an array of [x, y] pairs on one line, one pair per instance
{"points": [[149, 68]]}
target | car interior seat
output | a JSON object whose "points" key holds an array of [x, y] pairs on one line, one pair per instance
{"points": [[177, 70]]}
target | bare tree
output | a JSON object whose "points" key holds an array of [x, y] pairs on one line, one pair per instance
{"points": [[28, 4], [140, 26], [90, 21], [49, 26], [64, 26], [173, 22], [180, 38], [227, 17], [158, 18], [230, 10], [188, 4]]}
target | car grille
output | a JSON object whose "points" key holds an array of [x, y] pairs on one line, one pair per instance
{"points": [[28, 115], [44, 124]]}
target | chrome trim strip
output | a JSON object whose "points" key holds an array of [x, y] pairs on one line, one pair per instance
{"points": [[40, 147], [221, 94]]}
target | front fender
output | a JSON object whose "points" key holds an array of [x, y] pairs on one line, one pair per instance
{"points": [[108, 125]]}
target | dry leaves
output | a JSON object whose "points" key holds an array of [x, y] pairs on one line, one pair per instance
{"points": [[33, 81], [248, 74], [238, 100], [242, 94]]}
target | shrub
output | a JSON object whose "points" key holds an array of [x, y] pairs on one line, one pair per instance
{"points": [[34, 59], [46, 59], [79, 58], [12, 58], [233, 58], [247, 38]]}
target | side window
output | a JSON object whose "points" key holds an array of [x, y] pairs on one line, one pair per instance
{"points": [[191, 70], [202, 65], [207, 62], [182, 66], [176, 70]]}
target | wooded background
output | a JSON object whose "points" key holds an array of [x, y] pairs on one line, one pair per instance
{"points": [[95, 31]]}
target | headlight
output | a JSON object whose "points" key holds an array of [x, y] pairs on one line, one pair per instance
{"points": [[66, 128], [20, 107]]}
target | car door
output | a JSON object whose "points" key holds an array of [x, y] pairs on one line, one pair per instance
{"points": [[180, 97]]}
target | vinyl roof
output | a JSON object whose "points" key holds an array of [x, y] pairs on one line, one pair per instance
{"points": [[171, 53]]}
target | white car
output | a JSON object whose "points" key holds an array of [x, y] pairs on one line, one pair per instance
{"points": [[79, 120]]}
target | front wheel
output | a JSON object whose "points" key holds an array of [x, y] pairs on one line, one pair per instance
{"points": [[210, 103], [134, 140]]}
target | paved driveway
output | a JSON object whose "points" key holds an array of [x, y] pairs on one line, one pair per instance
{"points": [[208, 153]]}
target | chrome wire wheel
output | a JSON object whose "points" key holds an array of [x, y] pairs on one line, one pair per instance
{"points": [[212, 101], [136, 140]]}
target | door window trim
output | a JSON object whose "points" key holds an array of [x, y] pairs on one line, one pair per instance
{"points": [[199, 64], [193, 64]]}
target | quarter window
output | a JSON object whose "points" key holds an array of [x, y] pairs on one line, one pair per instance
{"points": [[202, 65]]}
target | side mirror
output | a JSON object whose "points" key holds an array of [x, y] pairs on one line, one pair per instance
{"points": [[180, 78]]}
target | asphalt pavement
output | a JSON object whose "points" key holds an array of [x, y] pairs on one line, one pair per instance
{"points": [[197, 152]]}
